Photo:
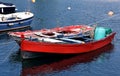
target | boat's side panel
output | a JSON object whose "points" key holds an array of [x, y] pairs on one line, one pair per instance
{"points": [[64, 63], [103, 42], [15, 25], [31, 46]]}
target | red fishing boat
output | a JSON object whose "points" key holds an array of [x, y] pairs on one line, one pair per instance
{"points": [[79, 42]]}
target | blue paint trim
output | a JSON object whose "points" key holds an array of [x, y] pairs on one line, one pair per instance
{"points": [[15, 24]]}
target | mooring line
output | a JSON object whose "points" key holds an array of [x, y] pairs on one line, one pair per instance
{"points": [[103, 20], [7, 42], [2, 61]]}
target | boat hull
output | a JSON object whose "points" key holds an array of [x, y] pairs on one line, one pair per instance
{"points": [[11, 25], [61, 48], [41, 65]]}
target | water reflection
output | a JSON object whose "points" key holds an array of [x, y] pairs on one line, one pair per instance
{"points": [[49, 65]]}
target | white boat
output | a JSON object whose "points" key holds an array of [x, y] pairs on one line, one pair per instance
{"points": [[15, 20]]}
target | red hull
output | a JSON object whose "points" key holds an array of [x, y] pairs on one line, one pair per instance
{"points": [[60, 48], [63, 63]]}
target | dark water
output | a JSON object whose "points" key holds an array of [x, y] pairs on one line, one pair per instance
{"points": [[52, 13]]}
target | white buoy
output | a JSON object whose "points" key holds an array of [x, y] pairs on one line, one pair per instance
{"points": [[69, 8], [110, 13], [33, 1]]}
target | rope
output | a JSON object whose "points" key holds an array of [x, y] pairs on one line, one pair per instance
{"points": [[6, 43], [95, 18], [103, 20], [2, 61]]}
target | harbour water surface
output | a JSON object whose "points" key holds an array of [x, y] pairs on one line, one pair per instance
{"points": [[55, 13]]}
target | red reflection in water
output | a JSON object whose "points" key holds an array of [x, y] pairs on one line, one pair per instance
{"points": [[64, 63]]}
